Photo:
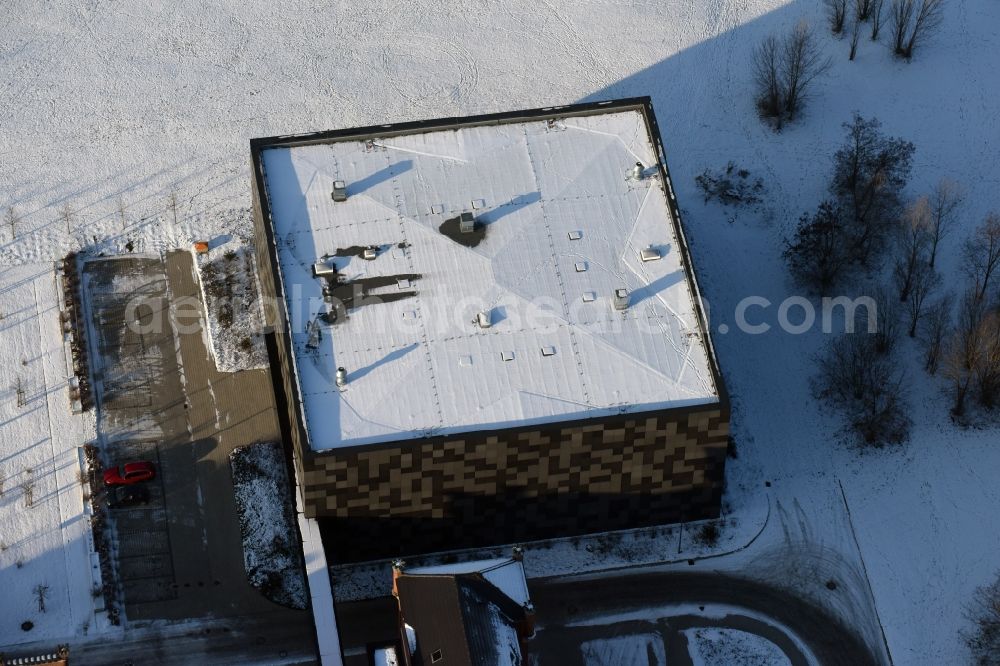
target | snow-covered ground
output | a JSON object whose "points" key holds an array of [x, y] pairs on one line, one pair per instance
{"points": [[267, 524], [719, 647], [45, 544], [229, 292], [623, 650], [133, 101], [706, 647], [589, 553]]}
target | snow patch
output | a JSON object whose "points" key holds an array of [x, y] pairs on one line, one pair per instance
{"points": [[271, 550]]}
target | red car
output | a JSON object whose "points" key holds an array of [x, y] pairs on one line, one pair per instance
{"points": [[129, 473]]}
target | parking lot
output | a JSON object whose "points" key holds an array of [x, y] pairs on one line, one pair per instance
{"points": [[161, 399], [145, 568]]}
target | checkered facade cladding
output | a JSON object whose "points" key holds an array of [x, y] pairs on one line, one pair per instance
{"points": [[521, 484], [492, 487]]}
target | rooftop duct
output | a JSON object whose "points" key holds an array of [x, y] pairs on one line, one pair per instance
{"points": [[650, 253], [339, 191], [621, 299], [323, 269], [466, 223]]}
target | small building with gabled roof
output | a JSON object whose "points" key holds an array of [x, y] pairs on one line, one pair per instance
{"points": [[471, 614]]}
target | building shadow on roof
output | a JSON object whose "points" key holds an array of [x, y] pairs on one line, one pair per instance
{"points": [[299, 318], [380, 176], [509, 207], [656, 287], [394, 355]]}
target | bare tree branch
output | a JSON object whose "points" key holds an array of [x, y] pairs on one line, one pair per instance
{"points": [[926, 21], [934, 330], [877, 16], [836, 13], [766, 65], [945, 200], [803, 62], [855, 37], [10, 220], [913, 246], [982, 255], [900, 16]]}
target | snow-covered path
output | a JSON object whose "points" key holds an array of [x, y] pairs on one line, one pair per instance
{"points": [[107, 108]]}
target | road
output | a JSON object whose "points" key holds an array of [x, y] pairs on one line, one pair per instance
{"points": [[561, 603], [246, 640]]}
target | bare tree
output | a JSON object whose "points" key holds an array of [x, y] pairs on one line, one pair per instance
{"points": [[818, 255], [986, 373], [784, 71], [877, 16], [863, 10], [836, 13], [855, 36], [925, 282], [964, 349], [20, 393], [913, 246], [887, 309], [122, 210], [28, 491], [172, 205], [767, 77], [913, 22], [945, 201], [66, 215], [982, 254], [870, 172], [926, 21], [984, 612], [41, 592], [900, 16], [803, 62], [867, 386], [934, 330], [2, 478], [11, 219]]}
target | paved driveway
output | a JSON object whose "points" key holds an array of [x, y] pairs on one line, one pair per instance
{"points": [[161, 398], [573, 611]]}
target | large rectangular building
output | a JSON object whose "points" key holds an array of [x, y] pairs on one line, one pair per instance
{"points": [[487, 329]]}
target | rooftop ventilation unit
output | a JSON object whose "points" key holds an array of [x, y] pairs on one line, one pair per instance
{"points": [[339, 191], [484, 320], [466, 223], [637, 171], [315, 335], [650, 253], [341, 376], [370, 252], [323, 269], [621, 299]]}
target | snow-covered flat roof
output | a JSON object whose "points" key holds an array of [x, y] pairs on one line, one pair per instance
{"points": [[560, 223]]}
